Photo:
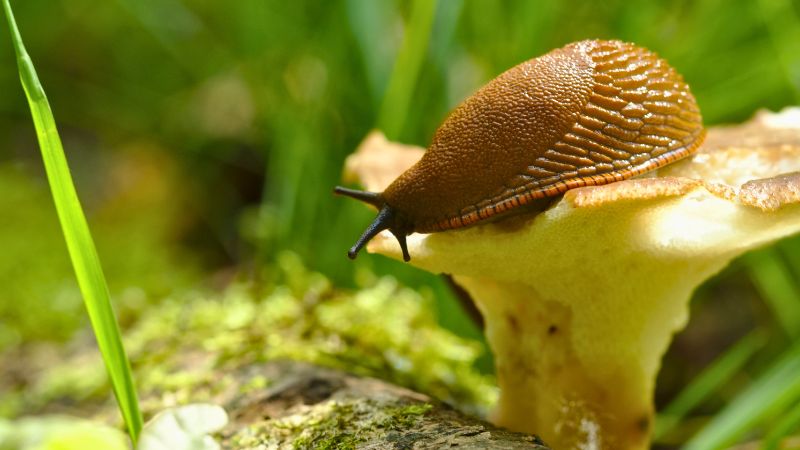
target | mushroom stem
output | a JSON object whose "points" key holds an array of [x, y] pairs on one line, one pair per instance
{"points": [[551, 386]]}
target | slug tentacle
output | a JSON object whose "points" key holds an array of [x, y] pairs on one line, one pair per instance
{"points": [[372, 198], [386, 220], [401, 239]]}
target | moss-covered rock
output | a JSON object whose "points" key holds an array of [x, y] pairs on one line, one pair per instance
{"points": [[310, 407]]}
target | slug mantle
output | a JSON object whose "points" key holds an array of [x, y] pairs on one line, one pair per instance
{"points": [[582, 300]]}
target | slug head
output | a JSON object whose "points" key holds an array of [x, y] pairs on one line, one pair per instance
{"points": [[387, 219]]}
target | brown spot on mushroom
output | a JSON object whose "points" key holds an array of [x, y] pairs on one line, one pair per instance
{"points": [[638, 189], [772, 193], [513, 323], [643, 424]]}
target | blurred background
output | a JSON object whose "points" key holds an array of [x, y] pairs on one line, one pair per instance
{"points": [[205, 138]]}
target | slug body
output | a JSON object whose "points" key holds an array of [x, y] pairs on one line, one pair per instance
{"points": [[590, 113]]}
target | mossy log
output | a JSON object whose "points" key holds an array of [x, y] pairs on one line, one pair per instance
{"points": [[306, 406]]}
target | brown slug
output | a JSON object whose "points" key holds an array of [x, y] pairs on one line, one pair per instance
{"points": [[590, 113]]}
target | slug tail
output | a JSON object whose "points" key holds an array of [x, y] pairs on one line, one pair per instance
{"points": [[372, 198]]}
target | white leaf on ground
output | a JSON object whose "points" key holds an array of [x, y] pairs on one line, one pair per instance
{"points": [[184, 428]]}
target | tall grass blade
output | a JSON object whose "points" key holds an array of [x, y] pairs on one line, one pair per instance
{"points": [[708, 381], [79, 241], [787, 425], [774, 281], [782, 22], [394, 109], [789, 249], [775, 391]]}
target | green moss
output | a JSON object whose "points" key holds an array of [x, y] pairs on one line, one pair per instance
{"points": [[336, 425], [405, 416], [329, 425], [256, 383], [331, 432]]}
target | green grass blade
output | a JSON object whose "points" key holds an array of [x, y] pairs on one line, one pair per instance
{"points": [[394, 109], [708, 381], [772, 393], [783, 24], [788, 424], [79, 241], [789, 249], [775, 283]]}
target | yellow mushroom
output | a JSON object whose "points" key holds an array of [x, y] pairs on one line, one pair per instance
{"points": [[581, 301]]}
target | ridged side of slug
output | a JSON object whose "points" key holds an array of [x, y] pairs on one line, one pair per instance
{"points": [[640, 116]]}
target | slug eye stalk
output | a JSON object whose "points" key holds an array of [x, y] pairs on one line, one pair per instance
{"points": [[385, 220], [370, 198]]}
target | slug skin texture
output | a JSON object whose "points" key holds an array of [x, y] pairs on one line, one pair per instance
{"points": [[590, 113]]}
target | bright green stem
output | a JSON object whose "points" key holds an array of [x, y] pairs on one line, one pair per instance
{"points": [[773, 393], [786, 425], [394, 109], [774, 280], [79, 241], [709, 381]]}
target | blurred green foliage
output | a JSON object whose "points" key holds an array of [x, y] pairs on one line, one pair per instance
{"points": [[39, 298], [260, 101], [59, 433], [217, 130]]}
